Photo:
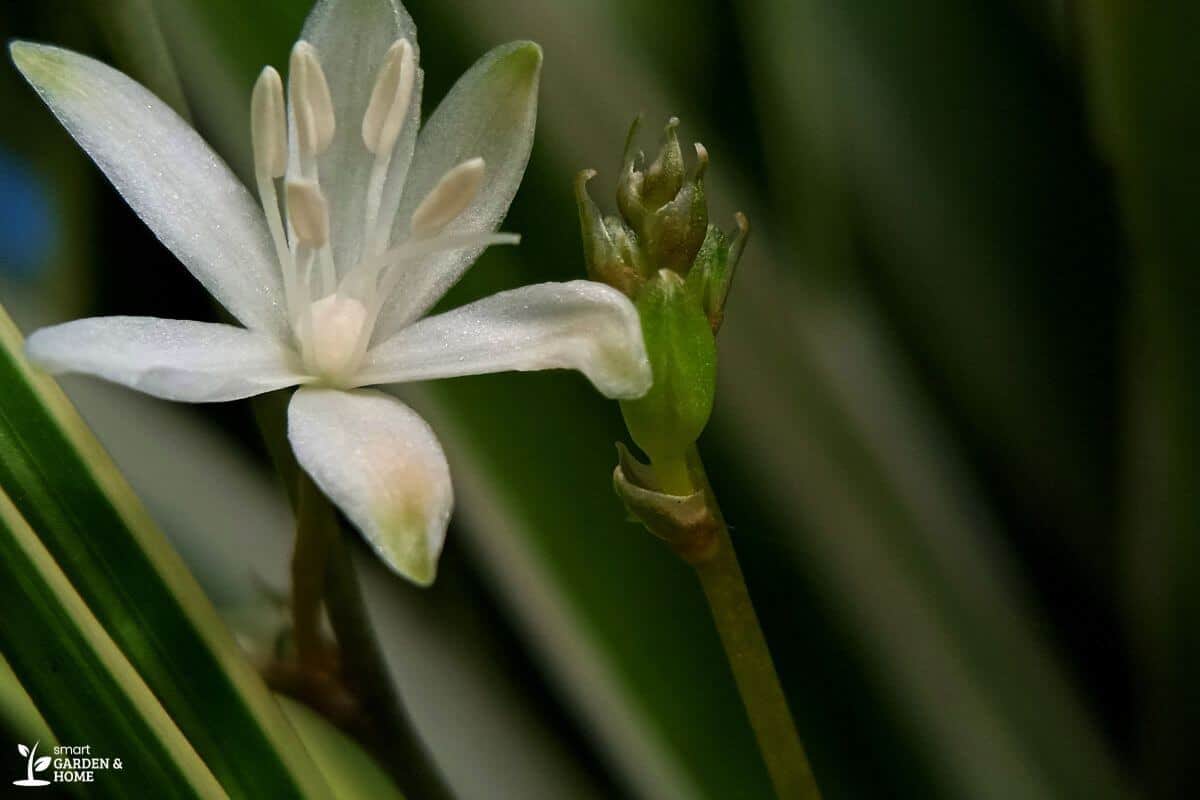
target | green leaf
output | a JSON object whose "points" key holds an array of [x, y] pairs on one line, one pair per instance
{"points": [[349, 771], [49, 634], [18, 715], [1143, 64], [65, 485], [136, 40]]}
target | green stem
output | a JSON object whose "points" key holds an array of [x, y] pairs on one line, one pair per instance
{"points": [[394, 739], [737, 624], [311, 551], [673, 476]]}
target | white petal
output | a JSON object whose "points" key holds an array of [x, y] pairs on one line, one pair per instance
{"points": [[195, 362], [382, 465], [578, 325], [179, 187], [490, 113], [351, 38]]}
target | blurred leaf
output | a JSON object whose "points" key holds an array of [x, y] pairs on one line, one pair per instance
{"points": [[18, 715], [1143, 64], [1024, 730], [349, 771], [48, 633], [136, 40], [63, 482]]}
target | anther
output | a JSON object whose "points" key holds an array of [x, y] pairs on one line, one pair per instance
{"points": [[308, 213], [268, 124], [390, 99], [452, 194], [312, 107]]}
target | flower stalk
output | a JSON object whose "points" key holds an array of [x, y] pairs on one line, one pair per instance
{"points": [[323, 562], [724, 587], [662, 252]]}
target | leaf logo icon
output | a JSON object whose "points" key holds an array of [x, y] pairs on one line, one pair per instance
{"points": [[32, 765]]}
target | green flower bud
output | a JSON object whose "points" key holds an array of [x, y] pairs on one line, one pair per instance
{"points": [[713, 269], [664, 178], [674, 233], [682, 350], [663, 205], [609, 247]]}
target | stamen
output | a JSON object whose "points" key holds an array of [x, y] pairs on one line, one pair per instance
{"points": [[361, 280], [381, 127], [411, 251], [308, 213], [453, 193], [268, 131], [390, 98], [312, 107], [268, 124]]}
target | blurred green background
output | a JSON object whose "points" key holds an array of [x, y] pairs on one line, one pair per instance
{"points": [[956, 426]]}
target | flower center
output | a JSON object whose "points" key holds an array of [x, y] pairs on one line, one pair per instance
{"points": [[335, 338], [332, 334]]}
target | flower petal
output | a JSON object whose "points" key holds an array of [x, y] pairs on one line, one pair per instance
{"points": [[490, 113], [179, 187], [579, 325], [351, 38], [195, 362], [382, 465]]}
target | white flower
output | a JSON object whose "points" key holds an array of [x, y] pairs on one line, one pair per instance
{"points": [[332, 292]]}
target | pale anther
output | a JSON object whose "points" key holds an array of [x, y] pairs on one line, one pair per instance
{"points": [[312, 106], [268, 124], [308, 213], [452, 194], [390, 99]]}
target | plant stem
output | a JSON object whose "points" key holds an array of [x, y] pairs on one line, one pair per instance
{"points": [[311, 552], [673, 476], [395, 741], [737, 624]]}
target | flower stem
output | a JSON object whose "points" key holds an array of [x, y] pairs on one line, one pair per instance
{"points": [[311, 552], [733, 613], [391, 735]]}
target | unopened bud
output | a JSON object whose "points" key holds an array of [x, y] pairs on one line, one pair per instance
{"points": [[664, 177], [609, 248], [674, 232], [714, 267], [663, 206]]}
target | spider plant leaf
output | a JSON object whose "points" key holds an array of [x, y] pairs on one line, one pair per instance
{"points": [[62, 482], [48, 633]]}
